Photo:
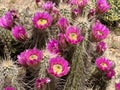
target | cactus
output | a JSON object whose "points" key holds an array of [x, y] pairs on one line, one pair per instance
{"points": [[78, 53], [65, 11], [9, 75], [6, 36], [113, 13]]}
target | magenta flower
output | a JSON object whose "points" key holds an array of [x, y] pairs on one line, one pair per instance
{"points": [[73, 2], [62, 40], [30, 57], [91, 13], [55, 14], [58, 67], [14, 13], [6, 21], [76, 12], [117, 86], [9, 88], [80, 3], [42, 20], [48, 5], [22, 59], [110, 74], [101, 47], [62, 24], [19, 33], [41, 82], [52, 46], [72, 35], [103, 64], [37, 1], [99, 31], [33, 56], [102, 6]]}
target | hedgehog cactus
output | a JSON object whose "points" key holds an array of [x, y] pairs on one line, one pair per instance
{"points": [[65, 11], [72, 28], [6, 36], [9, 75], [7, 39]]}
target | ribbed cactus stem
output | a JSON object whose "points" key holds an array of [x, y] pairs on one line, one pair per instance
{"points": [[6, 39], [43, 68], [38, 39], [65, 11], [6, 51], [76, 78]]}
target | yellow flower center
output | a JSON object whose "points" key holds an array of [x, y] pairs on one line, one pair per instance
{"points": [[103, 64], [73, 36], [32, 57], [99, 33], [57, 68], [79, 0], [42, 22]]}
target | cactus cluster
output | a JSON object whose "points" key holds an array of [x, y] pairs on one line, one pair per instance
{"points": [[58, 49]]}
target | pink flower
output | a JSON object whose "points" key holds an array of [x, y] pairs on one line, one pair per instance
{"points": [[55, 14], [73, 2], [103, 64], [58, 67], [72, 35], [101, 47], [33, 56], [14, 13], [6, 21], [19, 33], [22, 58], [48, 5], [80, 3], [42, 20], [110, 74], [52, 46], [62, 24], [117, 86], [76, 12], [30, 57], [41, 82], [102, 6], [9, 88], [91, 13], [99, 31], [37, 1], [62, 40]]}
